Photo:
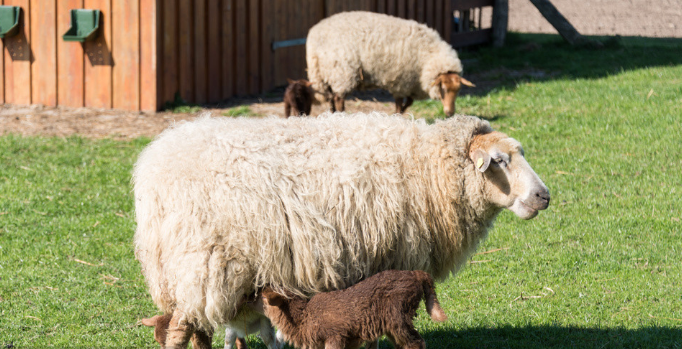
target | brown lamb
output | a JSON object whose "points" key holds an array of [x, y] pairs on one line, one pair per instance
{"points": [[385, 303], [299, 97], [200, 339]]}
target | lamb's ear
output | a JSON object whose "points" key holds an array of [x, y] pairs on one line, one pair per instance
{"points": [[273, 298], [308, 83], [289, 81], [151, 322], [481, 159], [466, 82]]}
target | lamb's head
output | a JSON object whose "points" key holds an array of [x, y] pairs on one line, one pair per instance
{"points": [[509, 180], [449, 85], [160, 324]]}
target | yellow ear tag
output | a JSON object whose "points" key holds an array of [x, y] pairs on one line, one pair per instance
{"points": [[479, 163]]}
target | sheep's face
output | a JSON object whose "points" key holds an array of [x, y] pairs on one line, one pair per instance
{"points": [[449, 85], [510, 182]]}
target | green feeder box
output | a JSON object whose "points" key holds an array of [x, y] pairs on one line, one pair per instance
{"points": [[9, 21], [84, 25]]}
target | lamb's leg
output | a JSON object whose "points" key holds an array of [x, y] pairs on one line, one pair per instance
{"points": [[202, 340], [335, 343], [267, 334], [241, 343], [407, 337], [287, 109], [230, 338], [179, 333]]}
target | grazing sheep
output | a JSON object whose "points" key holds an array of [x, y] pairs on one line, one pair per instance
{"points": [[226, 206], [383, 304], [365, 50], [299, 96]]}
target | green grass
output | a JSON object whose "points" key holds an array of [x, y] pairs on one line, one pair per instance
{"points": [[180, 106], [601, 268], [241, 110]]}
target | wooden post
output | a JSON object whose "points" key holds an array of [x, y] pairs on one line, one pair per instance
{"points": [[559, 22], [500, 20]]}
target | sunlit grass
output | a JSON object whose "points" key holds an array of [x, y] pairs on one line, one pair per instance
{"points": [[600, 268]]}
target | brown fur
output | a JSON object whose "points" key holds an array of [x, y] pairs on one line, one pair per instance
{"points": [[162, 323], [298, 97], [385, 303]]}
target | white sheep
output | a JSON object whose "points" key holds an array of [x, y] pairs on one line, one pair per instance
{"points": [[227, 206], [365, 50]]}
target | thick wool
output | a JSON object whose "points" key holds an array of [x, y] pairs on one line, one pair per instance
{"points": [[225, 206], [364, 50]]}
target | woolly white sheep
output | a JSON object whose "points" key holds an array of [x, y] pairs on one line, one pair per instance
{"points": [[227, 206], [365, 50]]}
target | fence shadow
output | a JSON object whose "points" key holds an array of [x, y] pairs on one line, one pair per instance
{"points": [[544, 57]]}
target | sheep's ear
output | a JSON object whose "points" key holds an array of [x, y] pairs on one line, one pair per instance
{"points": [[466, 82], [290, 81], [481, 159], [438, 80]]}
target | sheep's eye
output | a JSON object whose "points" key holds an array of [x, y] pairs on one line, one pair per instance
{"points": [[500, 161]]}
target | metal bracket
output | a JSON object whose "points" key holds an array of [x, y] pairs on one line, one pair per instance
{"points": [[287, 43]]}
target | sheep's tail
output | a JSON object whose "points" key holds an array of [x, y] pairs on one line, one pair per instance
{"points": [[431, 300]]}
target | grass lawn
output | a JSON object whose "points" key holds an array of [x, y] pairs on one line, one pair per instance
{"points": [[601, 268]]}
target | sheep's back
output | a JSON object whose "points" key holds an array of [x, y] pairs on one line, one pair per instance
{"points": [[389, 51]]}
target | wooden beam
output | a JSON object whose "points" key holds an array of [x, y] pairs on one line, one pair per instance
{"points": [[560, 23], [500, 22]]}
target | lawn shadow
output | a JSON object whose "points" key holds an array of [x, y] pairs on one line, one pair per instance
{"points": [[553, 337], [545, 57], [540, 337]]}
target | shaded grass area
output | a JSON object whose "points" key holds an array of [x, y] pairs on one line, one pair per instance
{"points": [[601, 268]]}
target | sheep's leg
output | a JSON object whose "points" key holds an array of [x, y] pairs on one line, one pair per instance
{"points": [[230, 338], [179, 333], [339, 102], [331, 101], [401, 104], [408, 102], [398, 105], [267, 334], [202, 340]]}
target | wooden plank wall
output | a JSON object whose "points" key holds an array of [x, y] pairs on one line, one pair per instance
{"points": [[38, 67], [150, 52]]}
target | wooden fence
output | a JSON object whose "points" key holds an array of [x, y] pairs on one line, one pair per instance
{"points": [[151, 51]]}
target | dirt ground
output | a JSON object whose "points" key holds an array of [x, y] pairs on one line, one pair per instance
{"points": [[648, 18]]}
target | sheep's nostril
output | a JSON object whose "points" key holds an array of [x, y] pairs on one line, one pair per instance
{"points": [[543, 196]]}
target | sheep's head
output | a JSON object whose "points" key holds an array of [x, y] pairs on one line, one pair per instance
{"points": [[510, 182], [449, 85]]}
